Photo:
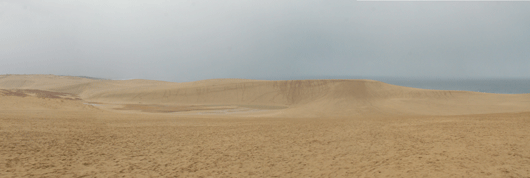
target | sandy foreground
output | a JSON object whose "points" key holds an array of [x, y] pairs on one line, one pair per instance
{"points": [[57, 126]]}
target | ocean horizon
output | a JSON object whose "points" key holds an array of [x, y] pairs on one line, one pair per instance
{"points": [[485, 85]]}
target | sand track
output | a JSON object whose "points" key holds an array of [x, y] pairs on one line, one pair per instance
{"points": [[309, 128]]}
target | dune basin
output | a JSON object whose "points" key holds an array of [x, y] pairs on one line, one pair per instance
{"points": [[62, 126]]}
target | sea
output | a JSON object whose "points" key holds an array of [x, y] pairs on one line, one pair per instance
{"points": [[485, 85], [503, 86]]}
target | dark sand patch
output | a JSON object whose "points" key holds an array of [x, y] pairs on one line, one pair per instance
{"points": [[39, 94]]}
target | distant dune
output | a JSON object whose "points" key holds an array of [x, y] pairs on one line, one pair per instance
{"points": [[294, 97]]}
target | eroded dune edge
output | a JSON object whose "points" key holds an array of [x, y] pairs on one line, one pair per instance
{"points": [[70, 126]]}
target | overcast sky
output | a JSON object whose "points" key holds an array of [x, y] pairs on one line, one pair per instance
{"points": [[274, 39]]}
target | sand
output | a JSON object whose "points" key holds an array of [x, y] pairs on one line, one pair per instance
{"points": [[56, 126]]}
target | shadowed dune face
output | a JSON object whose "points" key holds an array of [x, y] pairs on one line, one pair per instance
{"points": [[13, 93], [53, 126]]}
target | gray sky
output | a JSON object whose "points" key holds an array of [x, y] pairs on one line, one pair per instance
{"points": [[199, 39]]}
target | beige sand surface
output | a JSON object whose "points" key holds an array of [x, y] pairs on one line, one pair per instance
{"points": [[56, 126]]}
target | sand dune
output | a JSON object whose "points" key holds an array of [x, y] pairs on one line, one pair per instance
{"points": [[317, 97], [54, 126]]}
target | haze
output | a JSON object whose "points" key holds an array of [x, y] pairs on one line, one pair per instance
{"points": [[194, 40]]}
